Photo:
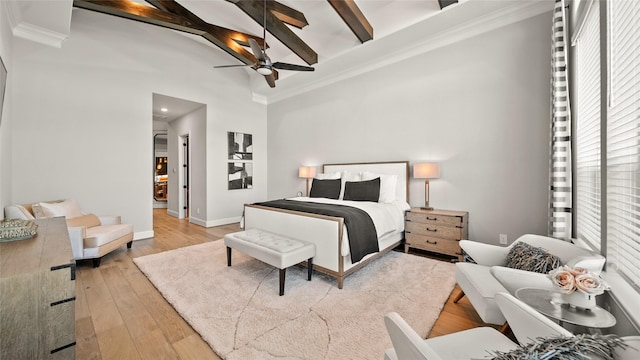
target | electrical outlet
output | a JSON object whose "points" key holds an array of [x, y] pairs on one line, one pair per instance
{"points": [[503, 239], [198, 211]]}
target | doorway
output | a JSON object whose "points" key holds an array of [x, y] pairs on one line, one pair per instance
{"points": [[184, 123]]}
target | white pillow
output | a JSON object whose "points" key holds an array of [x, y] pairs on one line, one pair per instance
{"points": [[348, 176], [68, 208], [330, 176], [387, 185]]}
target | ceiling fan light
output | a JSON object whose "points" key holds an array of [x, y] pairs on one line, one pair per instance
{"points": [[264, 70]]}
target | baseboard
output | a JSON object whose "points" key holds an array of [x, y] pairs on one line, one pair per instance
{"points": [[173, 213], [142, 235], [220, 222], [197, 221]]}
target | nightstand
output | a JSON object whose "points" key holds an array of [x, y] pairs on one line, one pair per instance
{"points": [[437, 231]]}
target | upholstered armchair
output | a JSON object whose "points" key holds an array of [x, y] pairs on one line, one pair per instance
{"points": [[91, 236], [463, 345], [480, 285], [480, 343]]}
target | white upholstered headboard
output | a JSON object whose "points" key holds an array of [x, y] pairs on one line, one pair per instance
{"points": [[400, 168]]}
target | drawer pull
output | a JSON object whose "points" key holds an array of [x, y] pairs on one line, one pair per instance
{"points": [[432, 230], [432, 218], [432, 242]]}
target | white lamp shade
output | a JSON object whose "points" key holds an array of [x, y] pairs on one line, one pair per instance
{"points": [[307, 172], [426, 171]]}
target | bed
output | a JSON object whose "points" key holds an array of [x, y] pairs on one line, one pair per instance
{"points": [[328, 233]]}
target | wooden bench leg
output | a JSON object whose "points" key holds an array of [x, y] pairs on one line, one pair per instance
{"points": [[309, 268], [458, 297], [228, 256], [282, 275], [504, 328]]}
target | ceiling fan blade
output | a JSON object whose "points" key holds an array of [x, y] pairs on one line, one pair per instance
{"points": [[271, 80], [285, 66], [257, 51], [229, 66]]}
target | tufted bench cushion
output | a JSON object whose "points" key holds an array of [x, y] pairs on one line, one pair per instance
{"points": [[273, 249]]}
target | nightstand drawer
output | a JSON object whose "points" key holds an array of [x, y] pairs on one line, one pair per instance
{"points": [[438, 231], [435, 219], [443, 246]]}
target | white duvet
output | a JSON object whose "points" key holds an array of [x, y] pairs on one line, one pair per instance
{"points": [[388, 218]]}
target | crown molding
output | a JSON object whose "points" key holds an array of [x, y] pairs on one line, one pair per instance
{"points": [[26, 30], [296, 85], [39, 34]]}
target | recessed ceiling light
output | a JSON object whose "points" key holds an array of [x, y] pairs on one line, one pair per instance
{"points": [[164, 109]]}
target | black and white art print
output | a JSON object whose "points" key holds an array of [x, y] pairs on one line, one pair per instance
{"points": [[240, 146], [240, 175]]}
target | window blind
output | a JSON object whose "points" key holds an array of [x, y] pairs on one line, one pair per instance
{"points": [[623, 139], [587, 117]]}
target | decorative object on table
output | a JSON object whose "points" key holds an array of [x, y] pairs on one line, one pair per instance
{"points": [[578, 286], [579, 347], [16, 229], [307, 172], [426, 171]]}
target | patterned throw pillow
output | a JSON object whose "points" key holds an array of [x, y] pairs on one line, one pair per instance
{"points": [[523, 256]]}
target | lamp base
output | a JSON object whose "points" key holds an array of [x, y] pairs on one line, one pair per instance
{"points": [[426, 208]]}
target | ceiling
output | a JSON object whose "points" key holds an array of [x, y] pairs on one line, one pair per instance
{"points": [[401, 28]]}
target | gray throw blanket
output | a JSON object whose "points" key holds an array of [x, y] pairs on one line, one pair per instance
{"points": [[363, 238]]}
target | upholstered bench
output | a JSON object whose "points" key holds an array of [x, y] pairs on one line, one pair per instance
{"points": [[273, 249]]}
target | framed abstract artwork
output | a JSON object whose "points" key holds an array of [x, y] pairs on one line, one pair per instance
{"points": [[240, 175], [240, 146]]}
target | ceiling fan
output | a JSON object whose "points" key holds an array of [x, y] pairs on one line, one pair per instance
{"points": [[263, 65]]}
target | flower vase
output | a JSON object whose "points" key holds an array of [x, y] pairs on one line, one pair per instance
{"points": [[578, 299]]}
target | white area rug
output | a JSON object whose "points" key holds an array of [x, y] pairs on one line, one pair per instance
{"points": [[237, 309]]}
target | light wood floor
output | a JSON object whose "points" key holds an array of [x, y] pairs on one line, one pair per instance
{"points": [[121, 315]]}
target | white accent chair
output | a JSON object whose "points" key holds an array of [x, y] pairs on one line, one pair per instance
{"points": [[527, 324], [480, 286], [480, 343], [463, 345], [91, 236]]}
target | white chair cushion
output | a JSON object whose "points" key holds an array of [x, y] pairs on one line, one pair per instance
{"points": [[100, 235], [480, 287]]}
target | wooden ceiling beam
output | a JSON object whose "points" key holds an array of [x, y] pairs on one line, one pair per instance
{"points": [[255, 10], [287, 15], [354, 18], [219, 36], [175, 8]]}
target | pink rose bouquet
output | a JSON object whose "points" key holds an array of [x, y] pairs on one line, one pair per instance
{"points": [[568, 280]]}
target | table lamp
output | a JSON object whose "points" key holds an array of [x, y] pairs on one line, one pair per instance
{"points": [[307, 172], [426, 171]]}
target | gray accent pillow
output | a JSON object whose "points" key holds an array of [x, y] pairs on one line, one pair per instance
{"points": [[523, 256], [329, 188], [362, 190]]}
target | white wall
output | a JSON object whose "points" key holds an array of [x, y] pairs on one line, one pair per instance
{"points": [[479, 106], [84, 116]]}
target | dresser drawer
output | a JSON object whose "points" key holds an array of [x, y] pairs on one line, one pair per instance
{"points": [[442, 246], [432, 230], [435, 219]]}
